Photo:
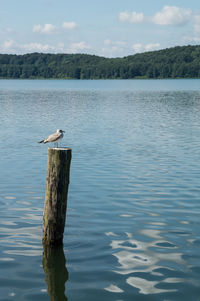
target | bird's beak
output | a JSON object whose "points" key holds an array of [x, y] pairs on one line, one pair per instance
{"points": [[63, 131]]}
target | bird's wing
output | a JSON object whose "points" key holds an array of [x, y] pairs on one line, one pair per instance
{"points": [[53, 138]]}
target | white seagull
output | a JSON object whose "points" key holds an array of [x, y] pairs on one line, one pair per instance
{"points": [[54, 137]]}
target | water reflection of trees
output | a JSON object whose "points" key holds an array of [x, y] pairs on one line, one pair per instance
{"points": [[56, 274]]}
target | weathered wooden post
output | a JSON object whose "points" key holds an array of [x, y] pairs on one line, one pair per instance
{"points": [[57, 182]]}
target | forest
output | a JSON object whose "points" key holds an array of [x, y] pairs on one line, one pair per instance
{"points": [[176, 62]]}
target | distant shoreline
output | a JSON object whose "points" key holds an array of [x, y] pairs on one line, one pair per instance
{"points": [[172, 63]]}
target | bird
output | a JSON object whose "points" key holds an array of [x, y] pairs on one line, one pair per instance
{"points": [[54, 138]]}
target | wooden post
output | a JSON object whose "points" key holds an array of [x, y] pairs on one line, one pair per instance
{"points": [[57, 182]]}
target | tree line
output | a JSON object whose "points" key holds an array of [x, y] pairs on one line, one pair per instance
{"points": [[176, 62]]}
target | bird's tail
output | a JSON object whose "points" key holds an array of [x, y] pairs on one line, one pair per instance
{"points": [[42, 141]]}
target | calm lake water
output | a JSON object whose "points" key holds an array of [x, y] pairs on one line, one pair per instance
{"points": [[133, 219]]}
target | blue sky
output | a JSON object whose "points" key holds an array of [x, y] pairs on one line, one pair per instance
{"points": [[111, 28]]}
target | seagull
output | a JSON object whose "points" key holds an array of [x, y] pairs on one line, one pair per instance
{"points": [[54, 138]]}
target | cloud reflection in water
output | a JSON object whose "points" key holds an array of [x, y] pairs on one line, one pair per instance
{"points": [[147, 262]]}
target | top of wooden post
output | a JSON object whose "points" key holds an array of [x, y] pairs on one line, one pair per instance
{"points": [[60, 148]]}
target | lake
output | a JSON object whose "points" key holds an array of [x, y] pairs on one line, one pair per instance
{"points": [[133, 219]]}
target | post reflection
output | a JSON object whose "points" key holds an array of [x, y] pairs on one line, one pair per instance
{"points": [[56, 274]]}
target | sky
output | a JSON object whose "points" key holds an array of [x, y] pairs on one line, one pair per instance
{"points": [[109, 28]]}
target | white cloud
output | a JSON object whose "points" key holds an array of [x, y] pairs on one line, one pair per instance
{"points": [[169, 15], [152, 46], [37, 28], [196, 40], [193, 37], [197, 24], [52, 29], [47, 28], [69, 25], [79, 46], [32, 47], [191, 40], [8, 44], [172, 15], [132, 17], [107, 42], [113, 48], [39, 47], [137, 47], [112, 51]]}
